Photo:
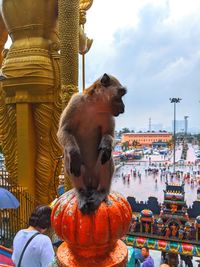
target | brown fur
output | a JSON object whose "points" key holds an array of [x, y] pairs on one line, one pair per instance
{"points": [[86, 132]]}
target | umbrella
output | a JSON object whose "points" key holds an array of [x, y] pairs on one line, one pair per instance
{"points": [[7, 200]]}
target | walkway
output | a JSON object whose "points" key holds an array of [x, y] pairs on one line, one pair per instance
{"points": [[191, 154]]}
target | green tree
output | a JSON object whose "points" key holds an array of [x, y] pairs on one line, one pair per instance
{"points": [[125, 130], [125, 146]]}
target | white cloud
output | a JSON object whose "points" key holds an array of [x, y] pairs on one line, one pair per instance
{"points": [[107, 17], [180, 9], [154, 49]]}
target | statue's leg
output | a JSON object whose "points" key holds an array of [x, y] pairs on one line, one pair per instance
{"points": [[45, 161], [8, 135]]}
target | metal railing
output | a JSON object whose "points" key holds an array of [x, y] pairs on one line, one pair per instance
{"points": [[12, 220]]}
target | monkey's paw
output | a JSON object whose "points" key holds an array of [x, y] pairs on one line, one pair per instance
{"points": [[75, 163], [86, 201], [106, 155], [86, 206], [91, 201]]}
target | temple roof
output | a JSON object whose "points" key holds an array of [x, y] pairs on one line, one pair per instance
{"points": [[175, 188]]}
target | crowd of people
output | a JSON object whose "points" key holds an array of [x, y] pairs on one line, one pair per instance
{"points": [[143, 258], [190, 174]]}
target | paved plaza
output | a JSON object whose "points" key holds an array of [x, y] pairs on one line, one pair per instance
{"points": [[148, 184]]}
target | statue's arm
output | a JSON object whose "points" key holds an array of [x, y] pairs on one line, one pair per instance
{"points": [[3, 37]]}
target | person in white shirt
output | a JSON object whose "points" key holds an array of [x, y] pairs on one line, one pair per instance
{"points": [[39, 252]]}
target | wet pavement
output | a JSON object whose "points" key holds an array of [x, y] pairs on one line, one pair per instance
{"points": [[153, 185], [191, 153], [149, 184]]}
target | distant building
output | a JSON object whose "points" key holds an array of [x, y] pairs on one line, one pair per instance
{"points": [[147, 138]]}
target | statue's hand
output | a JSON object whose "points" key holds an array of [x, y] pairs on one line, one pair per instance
{"points": [[75, 163]]}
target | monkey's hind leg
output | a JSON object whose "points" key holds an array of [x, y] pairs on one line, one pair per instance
{"points": [[82, 192], [105, 178], [85, 194], [91, 199], [86, 201]]}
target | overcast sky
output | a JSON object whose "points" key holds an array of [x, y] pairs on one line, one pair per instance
{"points": [[153, 48]]}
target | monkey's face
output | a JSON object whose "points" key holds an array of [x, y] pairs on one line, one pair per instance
{"points": [[107, 93], [117, 104], [114, 91]]}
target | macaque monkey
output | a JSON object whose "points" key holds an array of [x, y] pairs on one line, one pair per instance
{"points": [[86, 132]]}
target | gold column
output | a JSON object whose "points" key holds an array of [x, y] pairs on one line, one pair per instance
{"points": [[69, 44], [26, 146]]}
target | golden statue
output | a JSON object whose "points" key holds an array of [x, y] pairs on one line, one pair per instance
{"points": [[34, 87]]}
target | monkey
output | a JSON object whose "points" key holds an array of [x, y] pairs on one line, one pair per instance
{"points": [[86, 133]]}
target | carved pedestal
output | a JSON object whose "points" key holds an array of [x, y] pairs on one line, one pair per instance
{"points": [[91, 240], [117, 257]]}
